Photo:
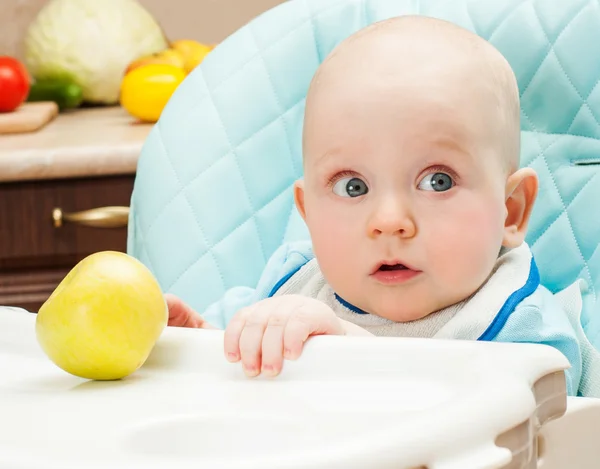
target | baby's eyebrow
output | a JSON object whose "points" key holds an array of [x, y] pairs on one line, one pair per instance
{"points": [[448, 142], [452, 144], [333, 152], [325, 159]]}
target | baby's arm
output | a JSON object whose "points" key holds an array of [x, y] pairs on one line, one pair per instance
{"points": [[263, 334], [541, 320], [284, 260]]}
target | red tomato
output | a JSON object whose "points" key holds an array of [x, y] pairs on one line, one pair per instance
{"points": [[14, 84]]}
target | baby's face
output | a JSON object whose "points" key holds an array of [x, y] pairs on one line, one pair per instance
{"points": [[404, 192]]}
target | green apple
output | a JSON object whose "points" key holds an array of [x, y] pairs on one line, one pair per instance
{"points": [[104, 318]]}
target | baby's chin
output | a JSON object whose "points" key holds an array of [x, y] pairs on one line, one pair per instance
{"points": [[397, 309], [402, 315], [411, 304]]}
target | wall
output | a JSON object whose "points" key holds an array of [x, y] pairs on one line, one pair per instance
{"points": [[205, 20]]}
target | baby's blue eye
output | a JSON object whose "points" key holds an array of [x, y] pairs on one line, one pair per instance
{"points": [[438, 182], [350, 187]]}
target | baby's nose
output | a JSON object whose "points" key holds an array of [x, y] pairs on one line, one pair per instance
{"points": [[392, 218]]}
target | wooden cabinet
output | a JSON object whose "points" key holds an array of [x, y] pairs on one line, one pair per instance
{"points": [[83, 160], [37, 250]]}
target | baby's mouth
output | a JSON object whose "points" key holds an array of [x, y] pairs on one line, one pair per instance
{"points": [[389, 268], [393, 272]]}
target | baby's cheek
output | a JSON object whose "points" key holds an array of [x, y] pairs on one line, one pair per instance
{"points": [[470, 243], [479, 240], [333, 242]]}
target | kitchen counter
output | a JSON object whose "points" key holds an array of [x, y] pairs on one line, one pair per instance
{"points": [[80, 143]]}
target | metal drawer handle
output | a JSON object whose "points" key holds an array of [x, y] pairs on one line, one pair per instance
{"points": [[103, 217]]}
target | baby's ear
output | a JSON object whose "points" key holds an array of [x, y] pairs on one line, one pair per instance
{"points": [[521, 192], [299, 198]]}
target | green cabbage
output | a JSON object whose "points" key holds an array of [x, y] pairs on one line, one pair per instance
{"points": [[91, 42]]}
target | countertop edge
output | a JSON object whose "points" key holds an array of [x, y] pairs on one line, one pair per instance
{"points": [[93, 164]]}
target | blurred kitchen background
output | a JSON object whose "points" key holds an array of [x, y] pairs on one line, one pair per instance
{"points": [[68, 165], [207, 21]]}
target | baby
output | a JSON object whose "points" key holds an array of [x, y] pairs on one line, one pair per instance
{"points": [[415, 203]]}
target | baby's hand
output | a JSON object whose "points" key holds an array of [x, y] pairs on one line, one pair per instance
{"points": [[182, 315], [263, 334]]}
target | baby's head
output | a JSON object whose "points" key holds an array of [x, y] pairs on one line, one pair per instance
{"points": [[411, 158]]}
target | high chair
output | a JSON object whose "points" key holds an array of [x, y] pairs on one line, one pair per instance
{"points": [[348, 403], [220, 163], [213, 200]]}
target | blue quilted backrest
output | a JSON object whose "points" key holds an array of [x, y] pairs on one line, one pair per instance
{"points": [[213, 199]]}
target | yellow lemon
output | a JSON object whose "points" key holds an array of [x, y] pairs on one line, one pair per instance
{"points": [[167, 56], [193, 52], [104, 318], [146, 90]]}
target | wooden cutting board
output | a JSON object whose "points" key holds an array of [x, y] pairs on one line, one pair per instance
{"points": [[29, 117]]}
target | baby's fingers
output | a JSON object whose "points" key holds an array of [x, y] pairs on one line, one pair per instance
{"points": [[272, 345], [250, 344], [182, 315], [297, 332], [304, 324], [233, 332]]}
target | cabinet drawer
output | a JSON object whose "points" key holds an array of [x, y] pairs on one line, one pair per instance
{"points": [[28, 232], [35, 254]]}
